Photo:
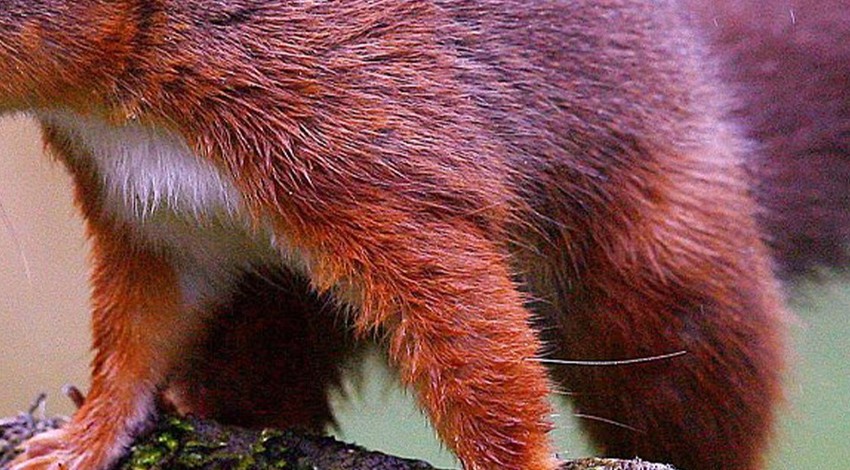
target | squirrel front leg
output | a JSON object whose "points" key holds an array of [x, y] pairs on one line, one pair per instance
{"points": [[135, 293], [458, 332]]}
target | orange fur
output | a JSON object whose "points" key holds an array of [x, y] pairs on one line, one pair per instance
{"points": [[131, 290], [453, 172]]}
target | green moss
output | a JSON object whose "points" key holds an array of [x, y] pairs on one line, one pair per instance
{"points": [[185, 444], [163, 445]]}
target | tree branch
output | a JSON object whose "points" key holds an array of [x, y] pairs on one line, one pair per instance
{"points": [[188, 443]]}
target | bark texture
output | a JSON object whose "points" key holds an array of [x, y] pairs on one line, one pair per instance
{"points": [[184, 444]]}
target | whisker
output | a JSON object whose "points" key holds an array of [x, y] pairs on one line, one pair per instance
{"points": [[17, 242], [624, 362], [608, 421], [556, 390]]}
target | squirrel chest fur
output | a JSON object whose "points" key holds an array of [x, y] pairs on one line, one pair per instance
{"points": [[172, 201], [484, 186]]}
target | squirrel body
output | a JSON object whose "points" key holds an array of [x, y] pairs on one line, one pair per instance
{"points": [[481, 185]]}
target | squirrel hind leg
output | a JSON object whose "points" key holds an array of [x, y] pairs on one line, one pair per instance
{"points": [[709, 408], [270, 359], [712, 319]]}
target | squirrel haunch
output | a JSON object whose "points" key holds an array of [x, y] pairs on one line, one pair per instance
{"points": [[478, 184]]}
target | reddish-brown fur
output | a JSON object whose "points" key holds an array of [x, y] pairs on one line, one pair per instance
{"points": [[448, 168]]}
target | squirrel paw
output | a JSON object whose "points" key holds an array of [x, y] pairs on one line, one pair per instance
{"points": [[58, 460], [50, 451]]}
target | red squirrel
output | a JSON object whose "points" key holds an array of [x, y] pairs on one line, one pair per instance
{"points": [[480, 186]]}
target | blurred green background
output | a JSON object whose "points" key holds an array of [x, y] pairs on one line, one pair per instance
{"points": [[44, 338]]}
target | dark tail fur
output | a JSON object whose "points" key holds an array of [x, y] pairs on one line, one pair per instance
{"points": [[789, 64]]}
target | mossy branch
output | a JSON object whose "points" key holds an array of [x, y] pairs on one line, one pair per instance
{"points": [[192, 444]]}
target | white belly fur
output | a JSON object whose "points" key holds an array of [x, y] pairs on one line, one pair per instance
{"points": [[176, 202]]}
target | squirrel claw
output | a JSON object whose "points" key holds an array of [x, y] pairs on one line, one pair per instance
{"points": [[45, 451]]}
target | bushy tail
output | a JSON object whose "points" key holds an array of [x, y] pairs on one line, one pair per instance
{"points": [[789, 67]]}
